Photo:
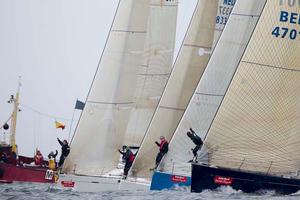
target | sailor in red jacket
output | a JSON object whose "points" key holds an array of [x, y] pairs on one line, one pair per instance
{"points": [[38, 158], [128, 156], [163, 149]]}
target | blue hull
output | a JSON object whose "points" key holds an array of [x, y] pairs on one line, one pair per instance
{"points": [[204, 177], [161, 181]]}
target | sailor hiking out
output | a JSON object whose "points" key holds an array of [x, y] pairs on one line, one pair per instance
{"points": [[163, 149], [128, 157], [197, 141], [65, 150]]}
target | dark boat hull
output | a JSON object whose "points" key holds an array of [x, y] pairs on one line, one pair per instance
{"points": [[205, 177]]}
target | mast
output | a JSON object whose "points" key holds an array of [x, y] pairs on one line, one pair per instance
{"points": [[15, 101]]}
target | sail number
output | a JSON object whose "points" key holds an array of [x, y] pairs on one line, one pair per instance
{"points": [[284, 32], [287, 18], [221, 20]]}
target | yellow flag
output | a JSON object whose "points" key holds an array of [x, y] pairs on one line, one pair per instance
{"points": [[59, 125]]}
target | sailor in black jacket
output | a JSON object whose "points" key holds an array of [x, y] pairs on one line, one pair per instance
{"points": [[65, 150], [197, 141]]}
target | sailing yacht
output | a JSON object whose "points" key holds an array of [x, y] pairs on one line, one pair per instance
{"points": [[252, 141], [206, 26], [132, 72]]}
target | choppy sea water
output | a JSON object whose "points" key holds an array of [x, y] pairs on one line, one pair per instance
{"points": [[19, 191]]}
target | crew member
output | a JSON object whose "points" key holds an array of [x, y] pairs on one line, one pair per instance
{"points": [[65, 150], [38, 159], [163, 149], [197, 141], [52, 160], [128, 156]]}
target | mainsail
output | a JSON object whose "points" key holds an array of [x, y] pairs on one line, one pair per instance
{"points": [[189, 66], [100, 131], [213, 84], [131, 74], [257, 125], [155, 70]]}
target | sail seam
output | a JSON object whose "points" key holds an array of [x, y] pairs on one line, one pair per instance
{"points": [[159, 5], [207, 94], [271, 66], [172, 108], [166, 74], [197, 46], [244, 15]]}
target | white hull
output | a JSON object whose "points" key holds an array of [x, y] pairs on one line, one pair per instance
{"points": [[100, 183]]}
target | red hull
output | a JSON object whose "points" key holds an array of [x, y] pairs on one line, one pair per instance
{"points": [[11, 173]]}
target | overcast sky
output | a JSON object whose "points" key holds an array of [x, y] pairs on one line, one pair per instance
{"points": [[55, 46]]}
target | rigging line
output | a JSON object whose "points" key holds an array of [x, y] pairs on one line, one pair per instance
{"points": [[272, 66], [235, 70], [43, 114], [98, 66]]}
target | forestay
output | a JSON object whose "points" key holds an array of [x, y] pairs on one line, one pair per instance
{"points": [[155, 70], [212, 87], [257, 125], [187, 71], [102, 126]]}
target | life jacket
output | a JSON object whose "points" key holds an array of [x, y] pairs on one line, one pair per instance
{"points": [[51, 164], [162, 144], [131, 157]]}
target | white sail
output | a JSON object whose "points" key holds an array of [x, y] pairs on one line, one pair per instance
{"points": [[100, 131], [187, 71], [212, 87], [257, 125], [154, 72]]}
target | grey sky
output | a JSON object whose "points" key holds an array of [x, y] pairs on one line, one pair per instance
{"points": [[55, 46]]}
